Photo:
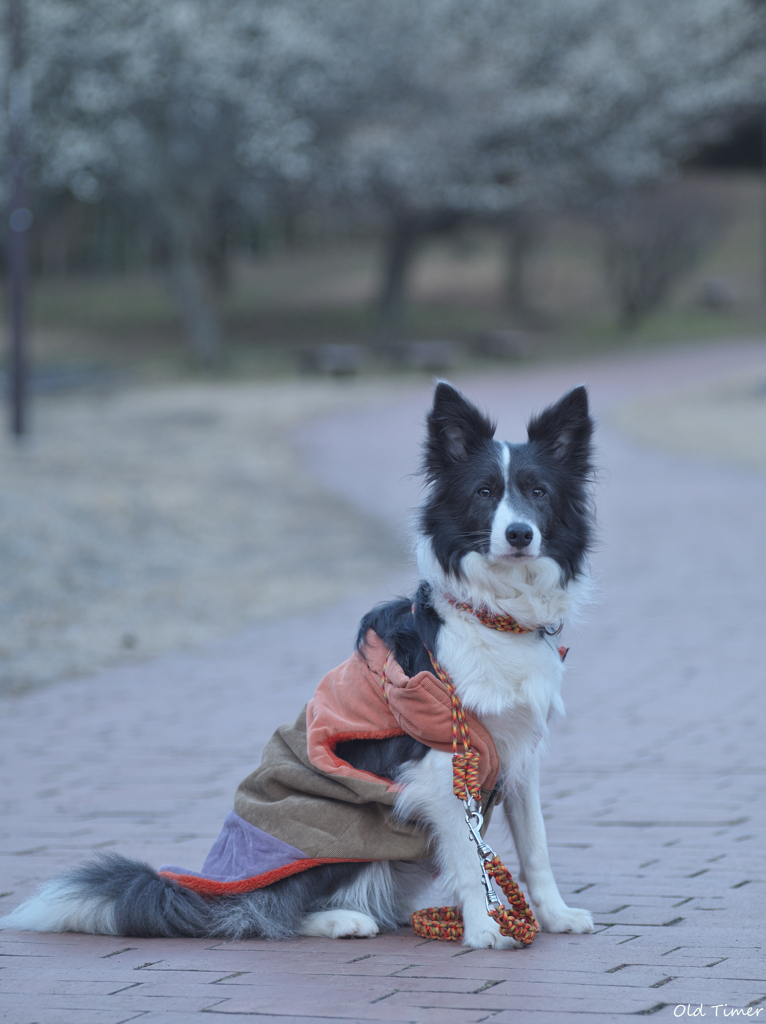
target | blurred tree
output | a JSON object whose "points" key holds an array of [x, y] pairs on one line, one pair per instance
{"points": [[19, 216], [174, 109], [415, 114], [652, 238], [523, 234], [507, 108]]}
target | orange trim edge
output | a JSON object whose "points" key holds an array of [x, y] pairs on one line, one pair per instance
{"points": [[208, 887]]}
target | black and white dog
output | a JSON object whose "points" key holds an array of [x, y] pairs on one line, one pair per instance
{"points": [[506, 528]]}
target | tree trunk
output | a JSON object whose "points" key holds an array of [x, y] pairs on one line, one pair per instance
{"points": [[521, 240], [199, 313], [400, 250], [19, 221], [405, 232], [763, 160], [191, 282], [218, 261]]}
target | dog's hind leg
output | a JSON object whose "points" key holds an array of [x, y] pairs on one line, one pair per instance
{"points": [[338, 924], [292, 906], [378, 898]]}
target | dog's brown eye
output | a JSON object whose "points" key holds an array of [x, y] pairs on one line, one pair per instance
{"points": [[485, 492], [538, 492]]}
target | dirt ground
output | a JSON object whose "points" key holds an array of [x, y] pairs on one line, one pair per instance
{"points": [[154, 519]]}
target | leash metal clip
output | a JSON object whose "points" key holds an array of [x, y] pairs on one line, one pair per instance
{"points": [[550, 631], [475, 820], [491, 899]]}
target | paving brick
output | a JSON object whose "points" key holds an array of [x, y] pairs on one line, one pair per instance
{"points": [[171, 1017], [538, 1015], [357, 1009], [33, 1013], [553, 995], [43, 984], [160, 1017], [124, 1002]]}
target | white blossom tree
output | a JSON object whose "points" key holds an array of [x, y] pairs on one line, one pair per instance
{"points": [[511, 107], [417, 112], [175, 109]]}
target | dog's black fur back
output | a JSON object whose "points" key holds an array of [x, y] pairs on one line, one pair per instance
{"points": [[409, 629]]}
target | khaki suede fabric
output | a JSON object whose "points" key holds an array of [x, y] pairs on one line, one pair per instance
{"points": [[324, 817]]}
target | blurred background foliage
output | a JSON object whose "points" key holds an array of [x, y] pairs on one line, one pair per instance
{"points": [[254, 186]]}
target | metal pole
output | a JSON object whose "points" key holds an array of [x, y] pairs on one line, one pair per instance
{"points": [[763, 161], [19, 220]]}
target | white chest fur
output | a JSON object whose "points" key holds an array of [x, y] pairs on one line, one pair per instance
{"points": [[511, 681]]}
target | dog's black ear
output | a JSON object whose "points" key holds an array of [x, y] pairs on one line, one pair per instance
{"points": [[455, 428], [564, 430]]}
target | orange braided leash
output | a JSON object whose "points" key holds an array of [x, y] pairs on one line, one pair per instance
{"points": [[519, 921], [465, 766], [447, 922]]}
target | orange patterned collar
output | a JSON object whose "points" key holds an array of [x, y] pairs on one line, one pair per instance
{"points": [[502, 623]]}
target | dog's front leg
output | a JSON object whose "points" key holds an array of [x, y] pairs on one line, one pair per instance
{"points": [[428, 797], [525, 816]]}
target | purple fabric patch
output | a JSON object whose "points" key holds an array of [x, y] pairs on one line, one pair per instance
{"points": [[241, 851]]}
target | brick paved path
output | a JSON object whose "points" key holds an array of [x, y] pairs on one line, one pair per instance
{"points": [[653, 788]]}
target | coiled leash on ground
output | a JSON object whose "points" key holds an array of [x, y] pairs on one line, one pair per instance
{"points": [[446, 923]]}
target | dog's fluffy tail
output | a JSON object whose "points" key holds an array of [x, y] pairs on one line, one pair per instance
{"points": [[113, 896], [117, 896]]}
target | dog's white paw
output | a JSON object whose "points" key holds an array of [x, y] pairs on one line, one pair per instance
{"points": [[339, 924], [482, 932], [564, 919], [489, 938]]}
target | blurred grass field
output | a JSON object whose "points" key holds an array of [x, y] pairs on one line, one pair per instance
{"points": [[325, 291]]}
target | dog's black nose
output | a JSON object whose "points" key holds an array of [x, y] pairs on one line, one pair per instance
{"points": [[519, 535]]}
